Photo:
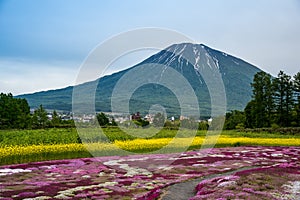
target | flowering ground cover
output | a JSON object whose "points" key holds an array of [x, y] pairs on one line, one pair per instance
{"points": [[10, 154], [274, 182], [224, 173]]}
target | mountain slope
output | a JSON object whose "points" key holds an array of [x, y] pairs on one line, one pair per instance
{"points": [[190, 60]]}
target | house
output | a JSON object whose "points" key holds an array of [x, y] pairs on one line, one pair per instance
{"points": [[135, 116]]}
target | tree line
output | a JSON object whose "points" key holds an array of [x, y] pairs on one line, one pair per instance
{"points": [[275, 103], [15, 114]]}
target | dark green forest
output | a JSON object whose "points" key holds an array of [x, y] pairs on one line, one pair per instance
{"points": [[15, 114], [275, 103]]}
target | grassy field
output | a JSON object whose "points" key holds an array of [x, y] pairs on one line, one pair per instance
{"points": [[20, 146]]}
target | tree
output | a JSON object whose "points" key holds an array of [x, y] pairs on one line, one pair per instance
{"points": [[250, 115], [234, 119], [6, 111], [297, 97], [158, 120], [39, 118], [23, 118], [113, 122], [56, 120], [14, 112], [203, 125], [102, 119], [283, 87], [263, 103]]}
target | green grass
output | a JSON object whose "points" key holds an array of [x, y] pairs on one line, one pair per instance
{"points": [[110, 134], [235, 133], [40, 136]]}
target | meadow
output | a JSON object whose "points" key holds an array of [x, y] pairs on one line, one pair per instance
{"points": [[22, 146]]}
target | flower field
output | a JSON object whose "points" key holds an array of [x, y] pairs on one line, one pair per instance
{"points": [[54, 164], [19, 154], [244, 172]]}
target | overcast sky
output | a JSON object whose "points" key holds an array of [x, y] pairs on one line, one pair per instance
{"points": [[43, 43]]}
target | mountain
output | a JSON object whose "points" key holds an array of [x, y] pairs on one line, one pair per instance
{"points": [[192, 61]]}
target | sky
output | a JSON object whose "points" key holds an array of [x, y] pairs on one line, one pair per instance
{"points": [[44, 43]]}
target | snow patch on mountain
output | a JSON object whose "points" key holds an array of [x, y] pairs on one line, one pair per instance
{"points": [[236, 62], [216, 62]]}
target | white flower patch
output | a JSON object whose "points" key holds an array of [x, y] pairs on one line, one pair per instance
{"points": [[113, 162], [77, 171], [47, 167], [165, 168], [102, 174], [66, 194], [131, 171], [189, 157], [277, 154], [8, 171], [283, 161], [293, 188], [227, 183], [197, 165], [217, 156], [138, 159], [245, 151], [39, 198], [238, 164], [269, 150], [228, 178]]}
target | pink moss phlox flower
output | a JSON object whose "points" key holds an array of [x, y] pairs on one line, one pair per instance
{"points": [[152, 195], [287, 165], [81, 195], [205, 192], [228, 194], [26, 195], [249, 190]]}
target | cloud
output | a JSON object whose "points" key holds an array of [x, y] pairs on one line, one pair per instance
{"points": [[19, 76]]}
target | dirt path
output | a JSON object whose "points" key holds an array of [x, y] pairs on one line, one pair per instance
{"points": [[186, 190]]}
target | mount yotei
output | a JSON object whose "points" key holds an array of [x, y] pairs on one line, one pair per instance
{"points": [[189, 60]]}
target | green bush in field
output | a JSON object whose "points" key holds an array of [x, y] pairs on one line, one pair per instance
{"points": [[172, 125], [141, 123], [203, 125]]}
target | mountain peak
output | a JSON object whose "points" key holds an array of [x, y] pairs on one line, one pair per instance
{"points": [[182, 47], [183, 55]]}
